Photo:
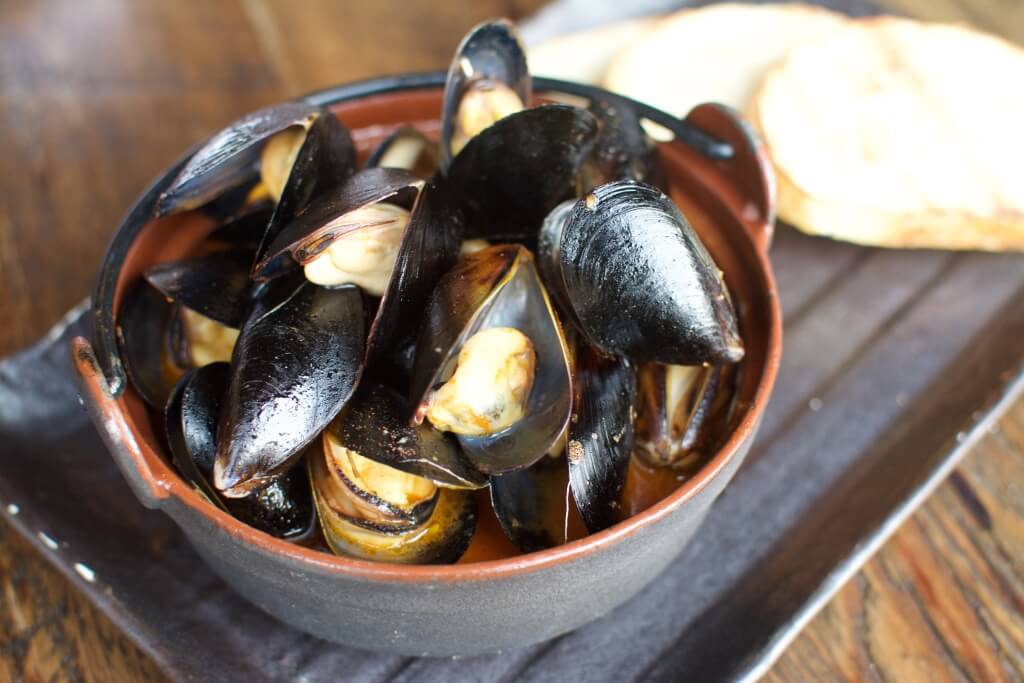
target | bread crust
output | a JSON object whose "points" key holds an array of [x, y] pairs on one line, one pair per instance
{"points": [[894, 146], [715, 53]]}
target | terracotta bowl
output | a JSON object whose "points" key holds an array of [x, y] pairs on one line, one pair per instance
{"points": [[457, 609]]}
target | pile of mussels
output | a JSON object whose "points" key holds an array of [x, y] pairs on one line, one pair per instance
{"points": [[366, 347]]}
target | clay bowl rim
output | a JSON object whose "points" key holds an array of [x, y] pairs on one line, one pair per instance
{"points": [[169, 484]]}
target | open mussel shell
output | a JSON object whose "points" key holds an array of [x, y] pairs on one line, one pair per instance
{"points": [[244, 230], [375, 424], [429, 249], [283, 508], [441, 539], [532, 504], [143, 325], [408, 149], [295, 365], [323, 164], [490, 53], [497, 287], [638, 281], [230, 157], [623, 150], [215, 285], [370, 495], [681, 411], [323, 220], [510, 176], [600, 439]]}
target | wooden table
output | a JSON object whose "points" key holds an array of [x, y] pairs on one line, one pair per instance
{"points": [[96, 99]]}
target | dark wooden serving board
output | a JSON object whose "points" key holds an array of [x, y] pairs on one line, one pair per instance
{"points": [[894, 363]]}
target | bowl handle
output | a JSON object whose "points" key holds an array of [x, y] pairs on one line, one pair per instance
{"points": [[108, 414], [749, 166]]}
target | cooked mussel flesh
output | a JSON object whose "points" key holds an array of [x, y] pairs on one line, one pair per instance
{"points": [[371, 511], [488, 79], [350, 236], [408, 149], [495, 292]]}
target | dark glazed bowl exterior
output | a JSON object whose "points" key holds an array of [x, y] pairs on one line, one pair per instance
{"points": [[459, 609]]}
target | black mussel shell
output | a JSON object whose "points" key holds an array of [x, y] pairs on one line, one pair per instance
{"points": [[408, 149], [491, 51], [230, 157], [348, 502], [324, 164], [366, 508], [216, 285], [429, 249], [312, 230], [238, 202], [638, 279], [677, 426], [283, 508], [600, 438], [531, 504], [143, 322], [623, 150], [375, 425], [441, 539], [497, 287], [510, 176], [244, 230], [296, 363]]}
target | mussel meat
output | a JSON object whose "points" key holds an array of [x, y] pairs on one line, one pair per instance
{"points": [[488, 79], [371, 510], [491, 315], [184, 314], [408, 149]]}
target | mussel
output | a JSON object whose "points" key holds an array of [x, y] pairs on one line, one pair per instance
{"points": [[600, 438], [410, 150], [283, 507], [387, 232], [350, 236], [532, 505], [371, 510], [295, 365], [680, 412], [184, 315], [622, 150], [488, 79], [510, 176], [633, 275], [491, 362], [300, 149]]}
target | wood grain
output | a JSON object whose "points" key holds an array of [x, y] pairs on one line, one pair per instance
{"points": [[93, 103]]}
